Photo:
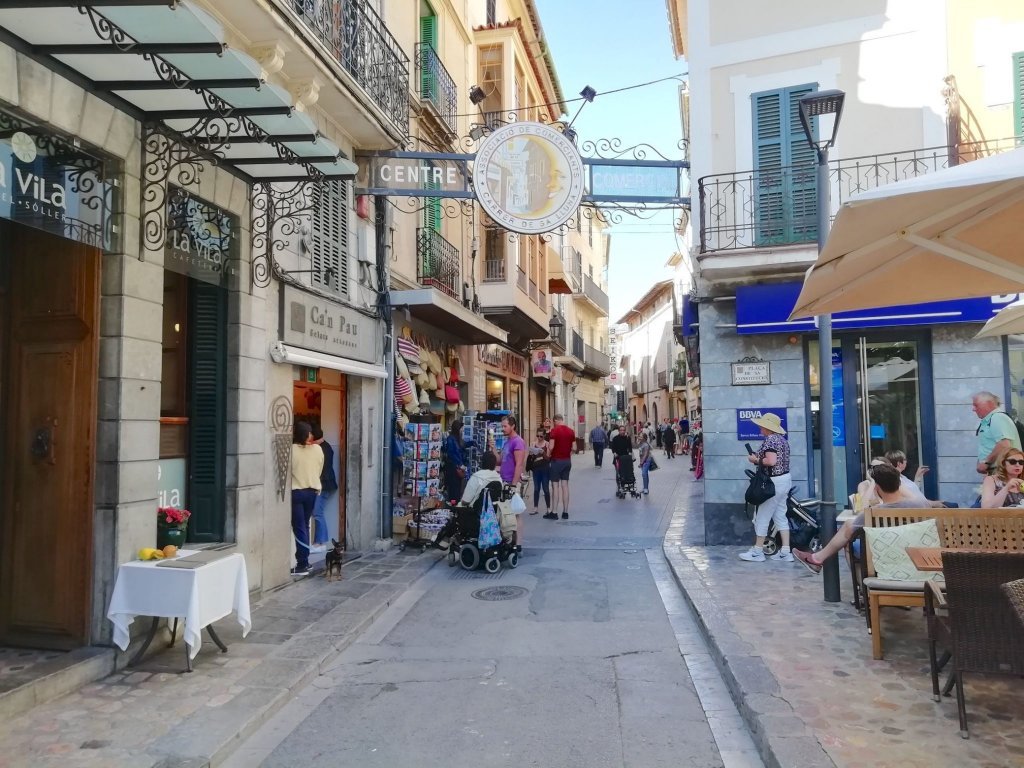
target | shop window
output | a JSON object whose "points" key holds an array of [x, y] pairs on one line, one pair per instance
{"points": [[495, 393], [330, 237], [515, 400]]}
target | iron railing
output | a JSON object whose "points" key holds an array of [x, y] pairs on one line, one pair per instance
{"points": [[762, 208], [436, 85], [577, 345], [361, 42], [596, 360], [662, 379], [437, 263], [494, 268], [594, 293]]}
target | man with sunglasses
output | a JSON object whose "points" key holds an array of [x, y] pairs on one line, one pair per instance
{"points": [[996, 432]]}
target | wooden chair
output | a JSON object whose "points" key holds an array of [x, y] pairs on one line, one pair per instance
{"points": [[981, 630]]}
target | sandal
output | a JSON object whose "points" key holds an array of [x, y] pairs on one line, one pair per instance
{"points": [[535, 512]]}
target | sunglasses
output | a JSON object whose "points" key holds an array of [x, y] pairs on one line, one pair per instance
{"points": [[1015, 462]]}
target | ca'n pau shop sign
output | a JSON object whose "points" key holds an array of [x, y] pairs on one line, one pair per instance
{"points": [[504, 360], [49, 183], [312, 322]]}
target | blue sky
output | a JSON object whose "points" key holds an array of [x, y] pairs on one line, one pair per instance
{"points": [[608, 45]]}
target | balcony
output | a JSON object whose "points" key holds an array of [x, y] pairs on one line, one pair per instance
{"points": [[596, 361], [634, 387], [436, 87], [778, 207], [437, 263], [591, 292], [662, 379], [577, 345], [359, 40], [561, 279], [506, 298]]}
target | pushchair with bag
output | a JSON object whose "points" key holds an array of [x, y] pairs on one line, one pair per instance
{"points": [[625, 478], [802, 515], [463, 532]]}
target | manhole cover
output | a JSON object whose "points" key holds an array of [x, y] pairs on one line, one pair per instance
{"points": [[494, 594], [577, 522]]}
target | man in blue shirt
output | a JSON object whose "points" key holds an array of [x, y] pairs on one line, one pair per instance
{"points": [[996, 432]]}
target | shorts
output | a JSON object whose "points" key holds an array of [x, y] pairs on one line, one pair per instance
{"points": [[560, 469]]}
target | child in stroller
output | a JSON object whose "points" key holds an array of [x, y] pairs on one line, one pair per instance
{"points": [[625, 479]]}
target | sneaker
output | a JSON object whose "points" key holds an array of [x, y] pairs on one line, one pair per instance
{"points": [[783, 555], [646, 491], [565, 515], [550, 516], [752, 555], [318, 548], [301, 571], [805, 559]]}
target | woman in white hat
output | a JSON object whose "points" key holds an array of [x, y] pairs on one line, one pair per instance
{"points": [[774, 456]]}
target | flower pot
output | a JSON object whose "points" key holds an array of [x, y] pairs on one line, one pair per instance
{"points": [[170, 534]]}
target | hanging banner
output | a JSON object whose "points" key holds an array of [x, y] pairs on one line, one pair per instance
{"points": [[540, 362]]}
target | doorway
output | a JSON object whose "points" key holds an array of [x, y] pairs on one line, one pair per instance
{"points": [[882, 401], [49, 313], [323, 402]]}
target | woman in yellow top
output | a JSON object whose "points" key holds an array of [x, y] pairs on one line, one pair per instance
{"points": [[307, 464]]}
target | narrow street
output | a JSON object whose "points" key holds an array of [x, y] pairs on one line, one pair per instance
{"points": [[585, 655]]}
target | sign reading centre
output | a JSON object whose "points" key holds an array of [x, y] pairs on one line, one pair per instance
{"points": [[748, 430]]}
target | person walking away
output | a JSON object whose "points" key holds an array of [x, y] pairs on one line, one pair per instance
{"points": [[669, 441], [560, 443], [996, 432], [886, 479], [328, 486], [455, 463], [598, 439], [307, 464], [645, 462], [774, 455], [513, 461], [540, 465], [1003, 488], [658, 432]]}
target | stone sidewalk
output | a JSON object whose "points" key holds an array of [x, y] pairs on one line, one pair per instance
{"points": [[802, 674], [157, 715]]}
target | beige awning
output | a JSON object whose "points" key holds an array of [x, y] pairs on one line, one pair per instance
{"points": [[445, 313]]}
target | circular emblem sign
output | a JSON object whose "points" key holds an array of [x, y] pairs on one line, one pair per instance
{"points": [[528, 177]]}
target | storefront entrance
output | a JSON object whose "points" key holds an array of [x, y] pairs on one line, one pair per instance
{"points": [[49, 309], [322, 402], [882, 401]]}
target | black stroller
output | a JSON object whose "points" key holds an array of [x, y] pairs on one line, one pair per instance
{"points": [[463, 530], [803, 524], [625, 478]]}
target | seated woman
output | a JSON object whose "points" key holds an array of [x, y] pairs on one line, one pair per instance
{"points": [[481, 478], [1003, 487]]}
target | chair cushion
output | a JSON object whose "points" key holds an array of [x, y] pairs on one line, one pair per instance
{"points": [[889, 550], [893, 585]]}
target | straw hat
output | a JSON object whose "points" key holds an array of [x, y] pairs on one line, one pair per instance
{"points": [[401, 368], [771, 422], [424, 397], [435, 362]]}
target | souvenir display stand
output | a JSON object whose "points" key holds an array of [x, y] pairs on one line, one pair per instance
{"points": [[422, 515]]}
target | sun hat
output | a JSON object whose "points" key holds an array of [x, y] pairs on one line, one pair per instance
{"points": [[435, 362], [401, 368], [771, 422]]}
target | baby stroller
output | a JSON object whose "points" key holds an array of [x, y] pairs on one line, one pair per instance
{"points": [[803, 524], [625, 479], [464, 530]]}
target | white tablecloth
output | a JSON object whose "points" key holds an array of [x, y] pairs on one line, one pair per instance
{"points": [[201, 596]]}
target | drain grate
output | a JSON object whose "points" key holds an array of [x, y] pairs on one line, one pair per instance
{"points": [[577, 522], [458, 574], [494, 594]]}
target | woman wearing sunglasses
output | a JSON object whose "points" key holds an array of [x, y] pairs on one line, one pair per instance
{"points": [[1003, 488]]}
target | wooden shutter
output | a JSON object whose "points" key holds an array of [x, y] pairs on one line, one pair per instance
{"points": [[428, 77], [330, 237], [207, 410], [785, 201], [1018, 95], [432, 205]]}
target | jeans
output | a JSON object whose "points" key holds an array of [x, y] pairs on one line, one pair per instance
{"points": [[303, 500], [541, 479], [598, 454], [645, 472], [319, 507]]}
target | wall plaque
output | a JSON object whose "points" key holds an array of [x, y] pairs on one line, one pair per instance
{"points": [[751, 370]]}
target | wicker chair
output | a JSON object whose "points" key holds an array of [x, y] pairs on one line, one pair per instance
{"points": [[979, 630], [1014, 592]]}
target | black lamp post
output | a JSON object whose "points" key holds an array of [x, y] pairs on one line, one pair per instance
{"points": [[813, 105], [555, 326]]}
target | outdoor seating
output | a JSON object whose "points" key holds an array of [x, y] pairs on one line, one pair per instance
{"points": [[994, 529], [1014, 592], [980, 629]]}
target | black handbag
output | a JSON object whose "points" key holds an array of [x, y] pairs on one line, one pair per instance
{"points": [[761, 487]]}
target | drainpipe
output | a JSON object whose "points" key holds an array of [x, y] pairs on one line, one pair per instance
{"points": [[380, 203]]}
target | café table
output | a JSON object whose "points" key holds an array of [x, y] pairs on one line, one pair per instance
{"points": [[200, 596], [926, 558]]}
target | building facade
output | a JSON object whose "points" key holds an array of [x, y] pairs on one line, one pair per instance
{"points": [[902, 378]]}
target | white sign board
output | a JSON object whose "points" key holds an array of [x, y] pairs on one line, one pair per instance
{"points": [[747, 373], [311, 322]]}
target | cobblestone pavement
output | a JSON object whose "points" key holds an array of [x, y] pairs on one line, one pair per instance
{"points": [[812, 677], [154, 715]]}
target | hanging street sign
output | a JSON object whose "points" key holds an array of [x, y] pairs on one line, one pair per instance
{"points": [[416, 174]]}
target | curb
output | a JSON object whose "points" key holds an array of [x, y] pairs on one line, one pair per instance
{"points": [[782, 738]]}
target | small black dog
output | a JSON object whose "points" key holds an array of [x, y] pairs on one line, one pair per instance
{"points": [[333, 560]]}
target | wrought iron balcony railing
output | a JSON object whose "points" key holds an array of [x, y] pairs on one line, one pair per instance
{"points": [[663, 379], [577, 345], [358, 38], [494, 268], [437, 263], [592, 291], [762, 208], [436, 86], [596, 360]]}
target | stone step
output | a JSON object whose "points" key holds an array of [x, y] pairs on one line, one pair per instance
{"points": [[50, 679]]}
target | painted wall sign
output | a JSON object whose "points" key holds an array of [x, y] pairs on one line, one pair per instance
{"points": [[312, 322], [48, 183], [528, 177], [748, 430], [750, 371], [202, 239], [505, 360], [540, 360]]}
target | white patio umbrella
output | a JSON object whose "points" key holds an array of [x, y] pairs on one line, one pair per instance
{"points": [[1010, 319], [956, 233]]}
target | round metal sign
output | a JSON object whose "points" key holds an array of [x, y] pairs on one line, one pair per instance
{"points": [[528, 177]]}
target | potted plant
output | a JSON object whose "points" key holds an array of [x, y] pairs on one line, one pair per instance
{"points": [[171, 524]]}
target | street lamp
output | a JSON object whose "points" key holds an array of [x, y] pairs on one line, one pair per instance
{"points": [[555, 326], [819, 104]]}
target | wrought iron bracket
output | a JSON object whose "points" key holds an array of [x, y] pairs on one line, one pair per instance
{"points": [[279, 212]]}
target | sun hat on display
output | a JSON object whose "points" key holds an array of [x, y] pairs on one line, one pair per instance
{"points": [[771, 422]]}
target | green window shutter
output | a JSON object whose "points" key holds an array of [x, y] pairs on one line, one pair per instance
{"points": [[428, 74], [785, 200], [330, 237], [1018, 94], [207, 410]]}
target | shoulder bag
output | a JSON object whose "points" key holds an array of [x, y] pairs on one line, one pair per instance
{"points": [[761, 487]]}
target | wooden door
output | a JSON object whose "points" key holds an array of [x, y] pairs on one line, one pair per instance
{"points": [[50, 379]]}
